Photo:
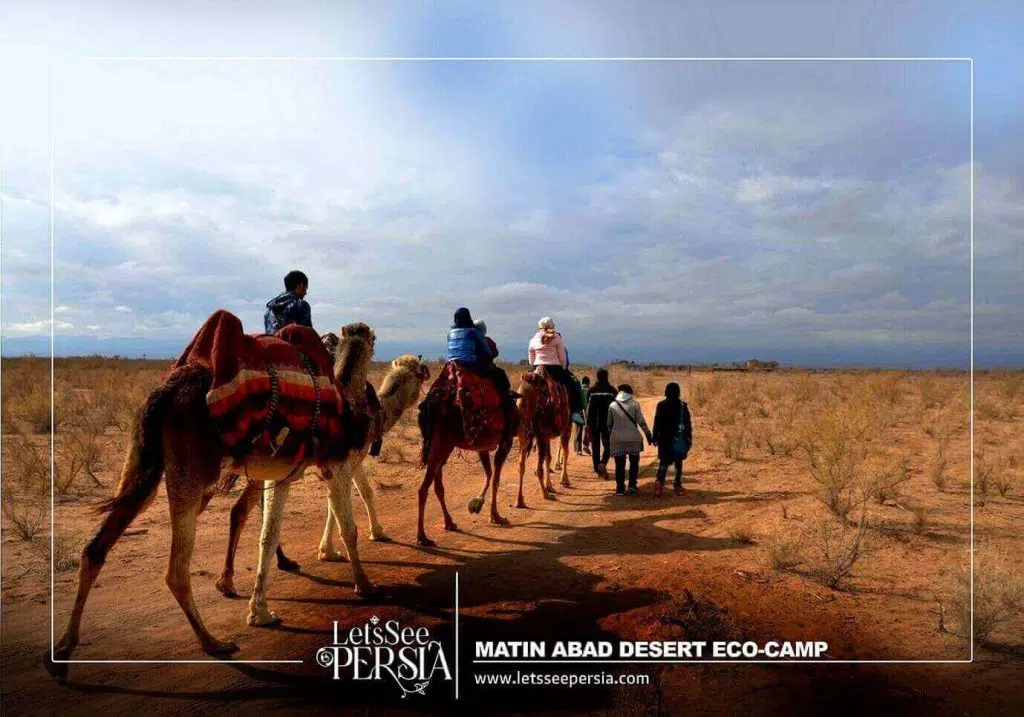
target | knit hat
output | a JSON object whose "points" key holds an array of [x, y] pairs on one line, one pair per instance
{"points": [[481, 326]]}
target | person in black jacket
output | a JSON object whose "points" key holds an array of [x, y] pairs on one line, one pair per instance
{"points": [[602, 393], [671, 421]]}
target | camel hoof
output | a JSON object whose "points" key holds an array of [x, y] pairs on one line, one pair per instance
{"points": [[566, 484], [499, 520], [58, 670], [334, 556], [263, 618], [520, 503], [365, 591], [451, 527], [475, 504], [218, 647], [550, 495], [226, 587], [425, 541], [381, 537]]}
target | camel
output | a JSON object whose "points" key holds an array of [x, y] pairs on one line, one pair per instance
{"points": [[399, 392], [535, 391], [175, 438], [352, 353], [442, 429]]}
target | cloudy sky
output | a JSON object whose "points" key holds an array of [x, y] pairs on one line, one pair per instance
{"points": [[809, 212]]}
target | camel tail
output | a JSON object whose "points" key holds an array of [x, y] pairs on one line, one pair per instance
{"points": [[144, 464]]}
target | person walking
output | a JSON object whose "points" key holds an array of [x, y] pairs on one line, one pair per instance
{"points": [[625, 421], [581, 443], [673, 435], [600, 398]]}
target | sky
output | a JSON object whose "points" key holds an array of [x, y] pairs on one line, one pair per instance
{"points": [[814, 213]]}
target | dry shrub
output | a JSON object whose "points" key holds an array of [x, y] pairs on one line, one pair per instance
{"points": [[887, 389], [66, 554], [26, 475], [998, 595], [742, 534], [835, 447], [699, 619], [783, 552], [769, 437], [1004, 483], [922, 518], [734, 440], [886, 485], [938, 473], [839, 548], [984, 474]]}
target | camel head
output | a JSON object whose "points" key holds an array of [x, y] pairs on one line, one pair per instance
{"points": [[405, 380], [352, 353]]}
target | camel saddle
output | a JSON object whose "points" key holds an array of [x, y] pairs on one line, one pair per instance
{"points": [[270, 395], [552, 403], [483, 418]]}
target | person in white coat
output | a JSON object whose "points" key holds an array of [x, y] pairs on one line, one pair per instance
{"points": [[625, 423]]}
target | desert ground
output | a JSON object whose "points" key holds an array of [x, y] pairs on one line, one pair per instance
{"points": [[831, 505]]}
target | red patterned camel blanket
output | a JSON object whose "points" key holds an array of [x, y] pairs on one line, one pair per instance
{"points": [[270, 394], [483, 419]]}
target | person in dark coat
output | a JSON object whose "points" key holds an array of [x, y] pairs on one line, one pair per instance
{"points": [[671, 421], [290, 306], [600, 398]]}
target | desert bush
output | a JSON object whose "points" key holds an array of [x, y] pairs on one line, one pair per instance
{"points": [[66, 552], [769, 437], [938, 473], [885, 487], [984, 474], [25, 515], [1004, 483], [742, 534], [835, 447], [922, 517], [998, 596], [838, 548], [734, 440], [782, 552], [887, 389]]}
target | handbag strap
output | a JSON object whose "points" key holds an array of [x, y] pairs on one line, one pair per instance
{"points": [[619, 403]]}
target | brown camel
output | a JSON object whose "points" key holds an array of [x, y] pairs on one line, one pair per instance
{"points": [[442, 429], [175, 438], [536, 425]]}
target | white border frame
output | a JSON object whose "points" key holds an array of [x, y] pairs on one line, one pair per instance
{"points": [[389, 59]]}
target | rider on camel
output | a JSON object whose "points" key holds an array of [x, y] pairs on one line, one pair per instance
{"points": [[547, 349], [467, 345]]}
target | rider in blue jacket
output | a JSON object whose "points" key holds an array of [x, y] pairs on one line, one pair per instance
{"points": [[465, 342]]}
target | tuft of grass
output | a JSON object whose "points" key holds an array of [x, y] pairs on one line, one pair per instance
{"points": [[938, 472], [742, 534], [887, 485], [922, 518], [734, 441], [782, 552]]}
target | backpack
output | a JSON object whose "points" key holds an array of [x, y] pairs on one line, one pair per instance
{"points": [[680, 446]]}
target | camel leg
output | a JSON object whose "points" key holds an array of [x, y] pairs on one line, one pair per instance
{"points": [[520, 503], [449, 524], [366, 493], [435, 465], [239, 515], [476, 503], [93, 556], [275, 498], [327, 552], [183, 540], [563, 447], [499, 461], [339, 492], [543, 456], [559, 457]]}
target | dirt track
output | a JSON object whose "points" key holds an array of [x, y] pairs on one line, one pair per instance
{"points": [[588, 566]]}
